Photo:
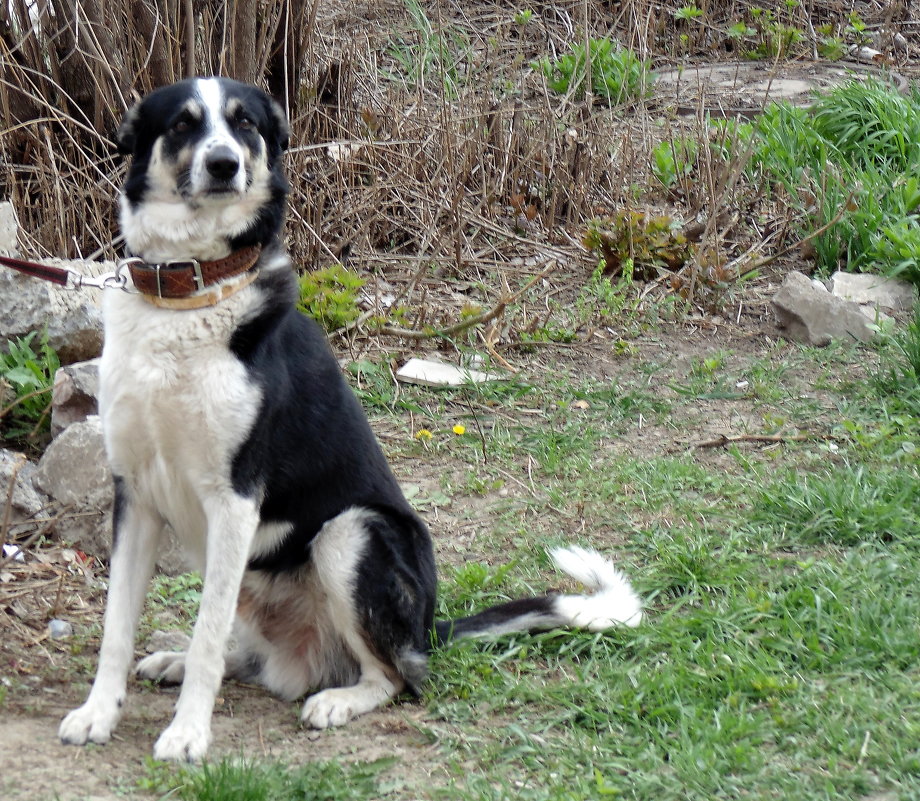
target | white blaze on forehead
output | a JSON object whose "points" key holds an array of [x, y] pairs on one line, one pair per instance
{"points": [[215, 108], [209, 92]]}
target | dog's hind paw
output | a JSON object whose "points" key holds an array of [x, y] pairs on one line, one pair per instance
{"points": [[182, 742], [328, 708], [166, 667], [93, 722]]}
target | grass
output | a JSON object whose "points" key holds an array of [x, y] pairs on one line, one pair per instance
{"points": [[780, 651], [853, 156], [243, 780]]}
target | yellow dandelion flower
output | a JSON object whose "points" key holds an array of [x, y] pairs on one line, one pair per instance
{"points": [[423, 434], [459, 429]]}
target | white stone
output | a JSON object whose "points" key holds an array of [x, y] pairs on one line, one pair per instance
{"points": [[874, 290]]}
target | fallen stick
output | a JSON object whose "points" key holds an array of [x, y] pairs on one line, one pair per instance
{"points": [[723, 439]]}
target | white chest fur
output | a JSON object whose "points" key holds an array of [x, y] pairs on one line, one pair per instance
{"points": [[176, 405]]}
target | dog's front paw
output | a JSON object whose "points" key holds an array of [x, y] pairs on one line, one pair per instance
{"points": [[182, 742], [93, 722], [328, 708], [166, 667]]}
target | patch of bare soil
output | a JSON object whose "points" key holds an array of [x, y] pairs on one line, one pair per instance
{"points": [[34, 766]]}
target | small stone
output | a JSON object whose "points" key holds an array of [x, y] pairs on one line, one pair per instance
{"points": [[74, 396], [60, 629]]}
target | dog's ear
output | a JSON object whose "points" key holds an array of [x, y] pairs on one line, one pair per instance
{"points": [[282, 129], [126, 136]]}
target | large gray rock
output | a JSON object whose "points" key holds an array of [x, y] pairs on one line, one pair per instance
{"points": [[73, 317], [808, 313], [26, 503], [74, 396], [873, 291], [75, 472]]}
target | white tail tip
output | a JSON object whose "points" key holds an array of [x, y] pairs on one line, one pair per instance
{"points": [[613, 602]]}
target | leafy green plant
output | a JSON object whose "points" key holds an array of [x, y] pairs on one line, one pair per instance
{"points": [[650, 242], [330, 296], [829, 46], [688, 12], [617, 75], [673, 159], [30, 375], [777, 38]]}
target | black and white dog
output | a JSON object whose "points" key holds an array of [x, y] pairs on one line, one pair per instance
{"points": [[229, 420]]}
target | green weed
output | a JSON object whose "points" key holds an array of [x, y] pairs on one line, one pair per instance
{"points": [[30, 375], [330, 296], [898, 374], [429, 55], [673, 160], [617, 75]]}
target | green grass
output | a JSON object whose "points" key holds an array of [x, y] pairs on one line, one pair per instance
{"points": [[780, 654], [854, 154], [244, 780], [781, 650], [28, 369]]}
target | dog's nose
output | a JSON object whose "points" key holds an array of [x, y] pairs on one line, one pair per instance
{"points": [[222, 163]]}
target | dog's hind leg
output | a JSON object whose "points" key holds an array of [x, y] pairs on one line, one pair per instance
{"points": [[379, 594], [137, 534], [232, 522]]}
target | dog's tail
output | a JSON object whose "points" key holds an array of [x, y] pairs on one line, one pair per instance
{"points": [[613, 602]]}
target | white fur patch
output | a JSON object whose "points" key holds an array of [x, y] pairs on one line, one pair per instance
{"points": [[614, 600]]}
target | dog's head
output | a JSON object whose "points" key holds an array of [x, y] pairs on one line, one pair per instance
{"points": [[205, 175]]}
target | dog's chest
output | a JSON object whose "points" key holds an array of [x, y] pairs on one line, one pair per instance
{"points": [[176, 404]]}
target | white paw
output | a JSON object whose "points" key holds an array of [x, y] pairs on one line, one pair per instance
{"points": [[166, 667], [182, 742], [93, 722], [329, 708]]}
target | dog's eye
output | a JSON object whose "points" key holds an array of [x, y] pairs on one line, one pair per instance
{"points": [[244, 123], [182, 125]]}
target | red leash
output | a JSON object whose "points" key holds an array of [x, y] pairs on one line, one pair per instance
{"points": [[72, 279]]}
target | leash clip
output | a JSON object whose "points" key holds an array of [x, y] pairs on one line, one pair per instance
{"points": [[114, 280]]}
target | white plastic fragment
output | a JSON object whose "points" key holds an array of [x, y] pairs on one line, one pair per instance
{"points": [[14, 552], [438, 374]]}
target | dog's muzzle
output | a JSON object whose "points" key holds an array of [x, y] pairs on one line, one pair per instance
{"points": [[222, 164]]}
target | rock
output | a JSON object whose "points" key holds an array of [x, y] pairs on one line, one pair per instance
{"points": [[9, 229], [60, 629], [873, 291], [75, 472], [26, 502], [167, 641], [812, 315], [73, 317], [74, 396]]}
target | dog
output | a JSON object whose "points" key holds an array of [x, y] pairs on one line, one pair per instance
{"points": [[227, 418]]}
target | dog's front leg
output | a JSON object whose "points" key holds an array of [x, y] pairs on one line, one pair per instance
{"points": [[232, 523], [137, 533]]}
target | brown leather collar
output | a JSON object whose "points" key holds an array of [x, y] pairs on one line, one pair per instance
{"points": [[182, 278]]}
